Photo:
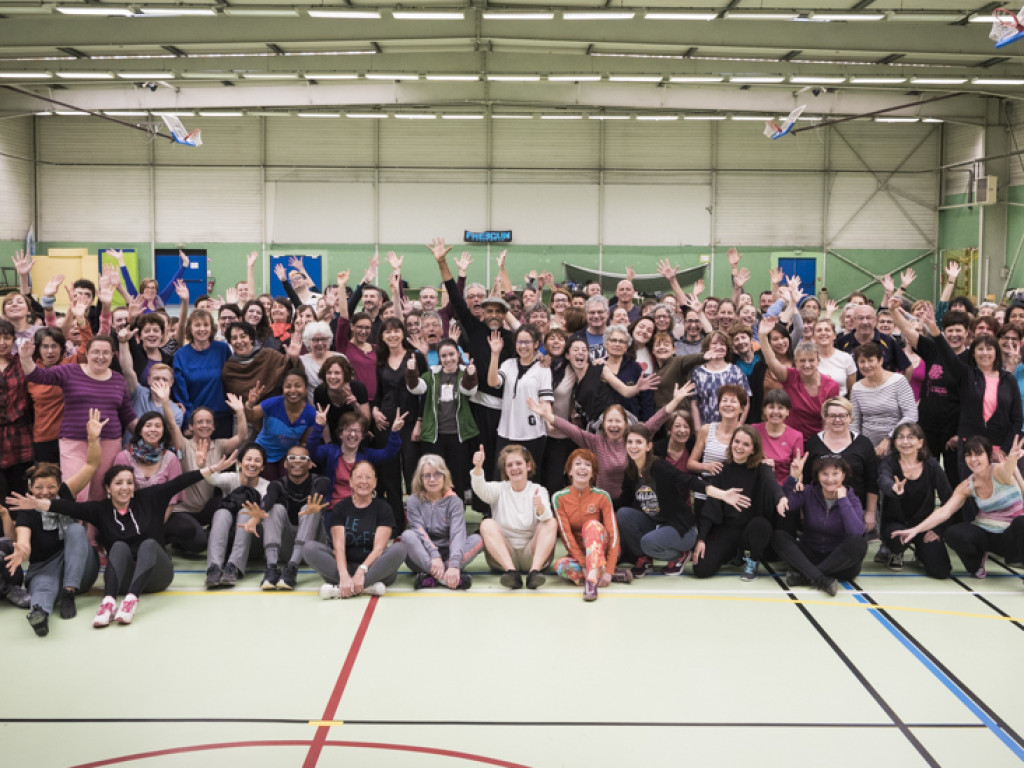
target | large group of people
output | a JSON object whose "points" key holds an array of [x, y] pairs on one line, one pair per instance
{"points": [[351, 427]]}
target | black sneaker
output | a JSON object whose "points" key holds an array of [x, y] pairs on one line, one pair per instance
{"points": [[829, 586], [535, 579], [424, 581], [288, 577], [213, 576], [796, 579], [17, 596], [230, 576], [40, 621], [511, 579], [66, 603], [643, 566], [270, 578], [465, 581]]}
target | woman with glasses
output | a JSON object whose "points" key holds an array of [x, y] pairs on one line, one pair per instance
{"points": [[521, 378], [353, 340], [318, 339], [621, 363], [712, 376], [837, 439], [437, 546]]}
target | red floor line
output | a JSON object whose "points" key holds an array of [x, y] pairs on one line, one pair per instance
{"points": [[320, 737]]}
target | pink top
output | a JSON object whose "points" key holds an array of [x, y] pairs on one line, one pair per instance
{"points": [[917, 379], [781, 450], [991, 399], [363, 363], [805, 415], [168, 469]]}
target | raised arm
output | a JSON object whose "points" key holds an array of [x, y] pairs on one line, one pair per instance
{"points": [[167, 290], [250, 270], [910, 333], [779, 371], [131, 379], [182, 290]]}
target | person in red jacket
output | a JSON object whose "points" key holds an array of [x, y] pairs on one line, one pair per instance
{"points": [[586, 521]]}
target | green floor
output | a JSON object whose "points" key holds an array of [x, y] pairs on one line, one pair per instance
{"points": [[668, 670]]}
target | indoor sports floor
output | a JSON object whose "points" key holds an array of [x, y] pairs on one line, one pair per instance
{"points": [[897, 669]]}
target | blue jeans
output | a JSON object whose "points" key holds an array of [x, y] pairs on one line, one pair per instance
{"points": [[641, 536]]}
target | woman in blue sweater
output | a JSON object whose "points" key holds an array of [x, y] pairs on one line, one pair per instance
{"points": [[197, 373]]}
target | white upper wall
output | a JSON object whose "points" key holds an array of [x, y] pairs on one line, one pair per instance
{"points": [[17, 179]]}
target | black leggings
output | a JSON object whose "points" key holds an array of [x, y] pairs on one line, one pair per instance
{"points": [[723, 543], [932, 555], [971, 543], [186, 532], [149, 571], [843, 563]]}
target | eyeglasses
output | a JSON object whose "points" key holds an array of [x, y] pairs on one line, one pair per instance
{"points": [[837, 416], [432, 475], [617, 341], [321, 339], [300, 459], [352, 431]]}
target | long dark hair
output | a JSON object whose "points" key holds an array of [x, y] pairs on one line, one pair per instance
{"points": [[383, 352], [144, 419], [634, 472]]}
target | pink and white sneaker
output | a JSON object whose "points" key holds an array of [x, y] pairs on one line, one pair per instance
{"points": [[126, 612], [105, 613]]}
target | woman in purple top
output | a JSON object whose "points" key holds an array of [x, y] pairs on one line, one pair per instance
{"points": [[88, 385]]}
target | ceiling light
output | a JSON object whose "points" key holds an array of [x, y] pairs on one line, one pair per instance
{"points": [[753, 118], [938, 80], [331, 76], [801, 80], [608, 117], [124, 113], [176, 12], [514, 78], [809, 119], [86, 75], [848, 16], [573, 78], [896, 119], [454, 78], [657, 117], [220, 114], [942, 18], [511, 117], [367, 115], [561, 117], [674, 16], [743, 16], [257, 113], [25, 75], [877, 80], [703, 117], [259, 12], [44, 114], [635, 78], [429, 15], [462, 117], [757, 79], [414, 116], [71, 113], [269, 76], [209, 75], [986, 19], [397, 76], [343, 14], [995, 81], [146, 75], [697, 79], [175, 114], [93, 10], [314, 114], [597, 16], [499, 16], [932, 120]]}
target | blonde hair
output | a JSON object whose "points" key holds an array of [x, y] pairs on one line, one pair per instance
{"points": [[435, 461], [842, 402]]}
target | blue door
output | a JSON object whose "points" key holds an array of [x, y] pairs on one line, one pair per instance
{"points": [[804, 268], [167, 263], [312, 264]]}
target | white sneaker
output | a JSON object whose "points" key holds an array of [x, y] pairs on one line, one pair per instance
{"points": [[126, 612], [105, 613], [377, 588], [329, 592]]}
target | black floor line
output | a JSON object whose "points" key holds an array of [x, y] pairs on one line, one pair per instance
{"points": [[995, 608], [923, 650], [872, 691]]}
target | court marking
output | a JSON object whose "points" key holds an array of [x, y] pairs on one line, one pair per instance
{"points": [[985, 601], [995, 724], [904, 729]]}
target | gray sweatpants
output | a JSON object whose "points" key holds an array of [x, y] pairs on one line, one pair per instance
{"points": [[419, 559], [76, 566], [281, 539], [384, 568], [221, 530]]}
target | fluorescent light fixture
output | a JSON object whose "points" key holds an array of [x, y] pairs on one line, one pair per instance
{"points": [[454, 78], [331, 76], [220, 114], [146, 75], [44, 114], [896, 119], [938, 80], [93, 10], [744, 16], [597, 15], [501, 16], [561, 117], [942, 18], [258, 113], [986, 19], [809, 119], [343, 14], [657, 117], [209, 75], [848, 16], [462, 117], [177, 12], [367, 115], [269, 76], [429, 15], [25, 75], [415, 116], [71, 113], [573, 78], [703, 117], [757, 79], [608, 117], [995, 81], [809, 80], [86, 75], [635, 78], [514, 78], [314, 114], [267, 12], [877, 80], [511, 117], [396, 76], [677, 16], [175, 114], [124, 113], [753, 118], [696, 79], [932, 120]]}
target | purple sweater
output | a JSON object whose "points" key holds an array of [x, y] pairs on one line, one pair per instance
{"points": [[823, 529], [82, 393]]}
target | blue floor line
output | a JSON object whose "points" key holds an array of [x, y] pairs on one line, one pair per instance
{"points": [[989, 723]]}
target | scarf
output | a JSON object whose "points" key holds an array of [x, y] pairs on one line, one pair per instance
{"points": [[146, 454]]}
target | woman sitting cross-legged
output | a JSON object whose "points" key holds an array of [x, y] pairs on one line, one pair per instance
{"points": [[520, 534], [361, 560], [832, 544], [586, 520], [726, 529], [130, 526], [438, 547]]}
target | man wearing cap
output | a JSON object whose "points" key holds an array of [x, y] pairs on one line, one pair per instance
{"points": [[486, 403]]}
